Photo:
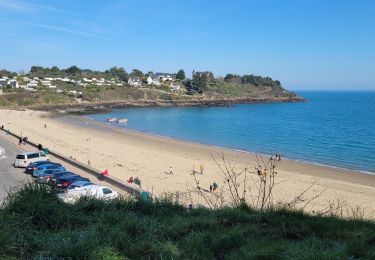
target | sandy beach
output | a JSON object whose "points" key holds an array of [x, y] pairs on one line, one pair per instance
{"points": [[152, 158]]}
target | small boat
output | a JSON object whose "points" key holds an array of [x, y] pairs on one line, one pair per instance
{"points": [[122, 120], [111, 119]]}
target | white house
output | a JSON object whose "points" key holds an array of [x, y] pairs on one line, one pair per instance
{"points": [[46, 82], [153, 80], [13, 83], [165, 76], [32, 84], [87, 80], [175, 86], [3, 83], [134, 81]]}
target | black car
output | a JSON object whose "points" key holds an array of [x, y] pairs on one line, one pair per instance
{"points": [[32, 166], [64, 181], [57, 175]]}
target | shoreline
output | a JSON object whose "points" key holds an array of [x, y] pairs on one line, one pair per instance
{"points": [[110, 126], [127, 153], [141, 134], [106, 106]]}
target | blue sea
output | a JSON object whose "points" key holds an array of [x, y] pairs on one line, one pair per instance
{"points": [[332, 128]]}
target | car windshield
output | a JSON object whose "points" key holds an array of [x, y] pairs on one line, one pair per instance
{"points": [[106, 191], [20, 156]]}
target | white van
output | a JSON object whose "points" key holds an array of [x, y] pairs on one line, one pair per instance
{"points": [[24, 159]]}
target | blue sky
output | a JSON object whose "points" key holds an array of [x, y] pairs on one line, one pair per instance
{"points": [[306, 44]]}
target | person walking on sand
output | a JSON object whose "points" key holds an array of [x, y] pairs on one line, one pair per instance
{"points": [[45, 125], [201, 167]]}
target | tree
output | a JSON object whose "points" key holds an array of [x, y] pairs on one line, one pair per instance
{"points": [[200, 82], [181, 74], [137, 73], [55, 71], [73, 70]]}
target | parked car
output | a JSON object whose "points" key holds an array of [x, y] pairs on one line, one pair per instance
{"points": [[32, 166], [79, 185], [24, 159], [49, 177], [46, 176], [64, 181], [57, 175], [41, 168], [92, 191]]}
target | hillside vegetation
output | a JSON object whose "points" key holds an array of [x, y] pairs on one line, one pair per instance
{"points": [[35, 224], [74, 85]]}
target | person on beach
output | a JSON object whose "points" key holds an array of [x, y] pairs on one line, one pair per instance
{"points": [[24, 140], [20, 141], [214, 186], [170, 170], [131, 180], [45, 126], [210, 188], [177, 197], [40, 147], [103, 174], [137, 181], [201, 167]]}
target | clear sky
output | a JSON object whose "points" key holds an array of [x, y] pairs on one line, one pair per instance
{"points": [[306, 44]]}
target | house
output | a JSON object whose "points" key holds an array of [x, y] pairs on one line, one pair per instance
{"points": [[175, 86], [32, 84], [87, 80], [165, 76], [46, 82], [208, 74], [3, 83], [153, 80], [134, 81], [13, 83]]}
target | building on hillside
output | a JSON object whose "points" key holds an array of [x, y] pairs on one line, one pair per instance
{"points": [[209, 75], [46, 82], [175, 86], [13, 83], [3, 83], [153, 80], [165, 76], [134, 81], [87, 80], [33, 84]]}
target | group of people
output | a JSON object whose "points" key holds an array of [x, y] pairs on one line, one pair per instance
{"points": [[278, 157], [135, 180], [22, 140], [103, 174]]}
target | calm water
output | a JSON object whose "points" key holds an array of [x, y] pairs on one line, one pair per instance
{"points": [[333, 128]]}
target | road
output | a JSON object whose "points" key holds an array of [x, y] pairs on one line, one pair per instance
{"points": [[9, 176]]}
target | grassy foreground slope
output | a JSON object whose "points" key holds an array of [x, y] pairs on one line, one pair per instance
{"points": [[33, 223]]}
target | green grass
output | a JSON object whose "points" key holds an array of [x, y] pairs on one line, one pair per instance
{"points": [[35, 224]]}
